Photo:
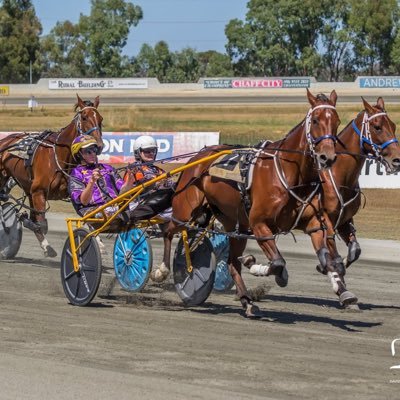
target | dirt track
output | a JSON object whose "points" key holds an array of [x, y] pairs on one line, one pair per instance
{"points": [[148, 346]]}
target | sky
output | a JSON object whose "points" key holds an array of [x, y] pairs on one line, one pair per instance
{"points": [[198, 24]]}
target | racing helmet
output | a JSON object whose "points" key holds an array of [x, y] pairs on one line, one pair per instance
{"points": [[82, 142], [144, 142]]}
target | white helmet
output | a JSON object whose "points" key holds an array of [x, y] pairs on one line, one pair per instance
{"points": [[143, 143]]}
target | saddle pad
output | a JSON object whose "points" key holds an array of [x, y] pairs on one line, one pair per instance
{"points": [[20, 148], [227, 167]]}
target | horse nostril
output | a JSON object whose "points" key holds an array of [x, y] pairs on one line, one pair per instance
{"points": [[396, 162], [323, 158]]}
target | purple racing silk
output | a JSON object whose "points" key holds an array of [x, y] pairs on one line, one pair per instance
{"points": [[105, 189]]}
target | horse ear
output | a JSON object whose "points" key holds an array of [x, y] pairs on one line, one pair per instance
{"points": [[333, 97], [311, 98], [368, 108], [380, 103], [96, 101], [80, 101]]}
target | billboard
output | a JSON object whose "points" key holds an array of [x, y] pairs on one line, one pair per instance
{"points": [[4, 90], [379, 82], [118, 146], [256, 83], [93, 84], [373, 175]]}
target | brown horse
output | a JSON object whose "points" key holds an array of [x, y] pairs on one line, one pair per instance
{"points": [[283, 196], [371, 134], [44, 176]]}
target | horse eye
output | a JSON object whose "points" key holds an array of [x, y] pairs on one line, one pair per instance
{"points": [[315, 121], [377, 128]]}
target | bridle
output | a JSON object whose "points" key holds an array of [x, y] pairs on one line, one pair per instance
{"points": [[366, 138], [312, 142], [78, 122]]}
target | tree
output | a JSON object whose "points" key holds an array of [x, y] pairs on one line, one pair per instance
{"points": [[279, 37], [373, 26], [93, 47], [106, 33], [64, 52], [19, 41], [336, 43], [214, 64]]}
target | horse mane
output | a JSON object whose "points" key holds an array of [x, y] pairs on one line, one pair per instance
{"points": [[87, 103], [322, 97]]}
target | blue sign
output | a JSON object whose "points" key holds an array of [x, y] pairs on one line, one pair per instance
{"points": [[380, 82], [118, 144]]}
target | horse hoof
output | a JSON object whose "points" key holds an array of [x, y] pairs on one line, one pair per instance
{"points": [[347, 298], [252, 311], [321, 270], [50, 252], [159, 275], [247, 260], [282, 279]]}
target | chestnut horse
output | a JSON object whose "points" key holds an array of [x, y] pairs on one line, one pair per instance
{"points": [[370, 135], [45, 177], [283, 196]]}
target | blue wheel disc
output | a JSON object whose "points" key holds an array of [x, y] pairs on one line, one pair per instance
{"points": [[132, 259], [223, 280]]}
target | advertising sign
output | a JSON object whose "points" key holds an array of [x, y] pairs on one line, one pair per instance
{"points": [[93, 84], [379, 82], [118, 146], [217, 83], [4, 90], [296, 83], [256, 83], [373, 175]]}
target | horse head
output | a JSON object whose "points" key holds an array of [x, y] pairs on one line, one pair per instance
{"points": [[88, 120], [322, 123], [377, 135]]}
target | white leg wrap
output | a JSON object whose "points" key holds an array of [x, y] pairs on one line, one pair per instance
{"points": [[160, 274], [259, 270], [43, 244], [334, 278]]}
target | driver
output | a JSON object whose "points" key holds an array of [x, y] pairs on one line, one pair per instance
{"points": [[158, 197], [93, 184]]}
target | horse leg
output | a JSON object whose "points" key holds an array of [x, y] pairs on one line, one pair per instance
{"points": [[318, 236], [347, 232], [37, 203], [161, 272], [236, 248], [335, 257], [277, 264]]}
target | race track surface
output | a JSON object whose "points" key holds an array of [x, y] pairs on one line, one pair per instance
{"points": [[149, 346]]}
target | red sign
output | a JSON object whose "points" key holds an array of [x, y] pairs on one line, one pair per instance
{"points": [[257, 83]]}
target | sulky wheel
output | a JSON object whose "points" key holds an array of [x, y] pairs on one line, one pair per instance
{"points": [[223, 279], [10, 231], [132, 259], [194, 286], [81, 287]]}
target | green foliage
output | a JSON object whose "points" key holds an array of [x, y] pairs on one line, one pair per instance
{"points": [[331, 40], [93, 47], [373, 26], [19, 41]]}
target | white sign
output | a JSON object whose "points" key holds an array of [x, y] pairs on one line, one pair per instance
{"points": [[373, 175], [91, 84]]}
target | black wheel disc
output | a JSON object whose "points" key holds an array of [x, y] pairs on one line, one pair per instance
{"points": [[194, 287], [81, 287], [10, 231]]}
